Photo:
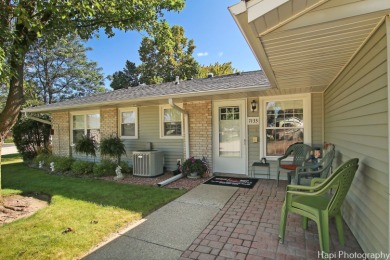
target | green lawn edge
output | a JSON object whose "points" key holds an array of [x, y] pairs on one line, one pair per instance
{"points": [[94, 209]]}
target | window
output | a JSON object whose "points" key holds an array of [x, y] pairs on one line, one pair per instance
{"points": [[88, 124], [128, 123], [286, 121], [171, 122], [229, 131]]}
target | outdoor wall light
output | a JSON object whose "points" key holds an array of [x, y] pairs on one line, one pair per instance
{"points": [[254, 105]]}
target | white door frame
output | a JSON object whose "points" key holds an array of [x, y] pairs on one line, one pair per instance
{"points": [[229, 162]]}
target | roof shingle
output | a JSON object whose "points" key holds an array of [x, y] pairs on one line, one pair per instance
{"points": [[194, 87]]}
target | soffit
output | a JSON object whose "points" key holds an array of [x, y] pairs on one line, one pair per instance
{"points": [[307, 43]]}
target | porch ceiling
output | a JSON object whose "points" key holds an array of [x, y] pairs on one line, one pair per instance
{"points": [[307, 43]]}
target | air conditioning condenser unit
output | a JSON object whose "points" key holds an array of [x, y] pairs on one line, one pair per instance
{"points": [[148, 163]]}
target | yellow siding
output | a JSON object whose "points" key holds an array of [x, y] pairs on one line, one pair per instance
{"points": [[356, 121]]}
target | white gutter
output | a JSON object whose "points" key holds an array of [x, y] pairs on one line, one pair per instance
{"points": [[37, 119], [186, 125]]}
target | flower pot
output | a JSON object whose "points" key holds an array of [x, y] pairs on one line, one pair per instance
{"points": [[193, 175]]}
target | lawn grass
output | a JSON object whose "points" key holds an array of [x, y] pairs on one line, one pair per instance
{"points": [[94, 209], [11, 158]]}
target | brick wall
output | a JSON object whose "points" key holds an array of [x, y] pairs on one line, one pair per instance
{"points": [[108, 122], [61, 137], [200, 130]]}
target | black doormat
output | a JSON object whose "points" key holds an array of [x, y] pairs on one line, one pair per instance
{"points": [[233, 182]]}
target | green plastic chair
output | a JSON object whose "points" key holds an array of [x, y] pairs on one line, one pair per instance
{"points": [[304, 174], [300, 155], [320, 202]]}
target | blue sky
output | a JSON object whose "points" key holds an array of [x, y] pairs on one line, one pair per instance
{"points": [[207, 22]]}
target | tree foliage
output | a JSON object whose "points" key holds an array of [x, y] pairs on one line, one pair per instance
{"points": [[128, 77], [166, 55], [61, 70], [217, 69], [23, 22], [31, 137]]}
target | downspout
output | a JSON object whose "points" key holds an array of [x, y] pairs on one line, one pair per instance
{"points": [[37, 119], [186, 126]]}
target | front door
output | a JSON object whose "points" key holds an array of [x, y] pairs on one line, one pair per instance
{"points": [[229, 146]]}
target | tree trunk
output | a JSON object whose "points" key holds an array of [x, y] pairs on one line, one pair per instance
{"points": [[15, 99], [1, 189]]}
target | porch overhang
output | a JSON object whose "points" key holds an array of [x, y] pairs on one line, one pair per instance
{"points": [[304, 45]]}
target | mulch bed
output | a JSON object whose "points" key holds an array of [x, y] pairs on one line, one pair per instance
{"points": [[183, 183]]}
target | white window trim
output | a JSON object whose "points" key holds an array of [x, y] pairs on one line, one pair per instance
{"points": [[128, 109], [162, 136], [306, 98], [81, 113]]}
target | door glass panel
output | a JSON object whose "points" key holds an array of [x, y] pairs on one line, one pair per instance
{"points": [[229, 132]]}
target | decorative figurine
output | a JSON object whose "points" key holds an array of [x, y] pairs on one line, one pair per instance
{"points": [[52, 166], [119, 175]]}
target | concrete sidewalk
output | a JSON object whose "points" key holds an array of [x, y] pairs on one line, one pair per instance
{"points": [[8, 149], [169, 231]]}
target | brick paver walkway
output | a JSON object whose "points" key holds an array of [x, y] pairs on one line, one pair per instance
{"points": [[248, 227]]}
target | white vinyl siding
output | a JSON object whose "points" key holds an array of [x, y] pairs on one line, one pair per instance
{"points": [[356, 121]]}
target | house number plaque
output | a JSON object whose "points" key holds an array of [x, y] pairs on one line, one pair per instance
{"points": [[253, 120]]}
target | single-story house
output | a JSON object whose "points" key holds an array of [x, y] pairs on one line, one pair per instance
{"points": [[199, 117], [338, 51], [325, 77]]}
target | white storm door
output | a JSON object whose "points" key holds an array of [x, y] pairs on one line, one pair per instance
{"points": [[229, 146]]}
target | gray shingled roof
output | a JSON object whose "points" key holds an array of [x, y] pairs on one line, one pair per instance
{"points": [[220, 84]]}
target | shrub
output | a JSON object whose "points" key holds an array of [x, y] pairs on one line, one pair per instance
{"points": [[104, 168], [113, 147], [63, 164], [82, 167], [126, 168], [31, 137], [41, 157]]}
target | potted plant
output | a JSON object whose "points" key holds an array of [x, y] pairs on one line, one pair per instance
{"points": [[194, 167], [86, 145], [113, 147]]}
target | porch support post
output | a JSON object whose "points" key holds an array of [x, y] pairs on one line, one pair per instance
{"points": [[186, 125]]}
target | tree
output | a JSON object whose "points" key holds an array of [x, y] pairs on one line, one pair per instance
{"points": [[61, 70], [217, 69], [31, 137], [128, 77], [23, 22], [166, 55]]}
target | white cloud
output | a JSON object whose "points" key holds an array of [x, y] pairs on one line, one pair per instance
{"points": [[220, 54], [201, 54]]}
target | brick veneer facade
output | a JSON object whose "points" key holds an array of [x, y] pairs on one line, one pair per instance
{"points": [[200, 130], [61, 137], [108, 122]]}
